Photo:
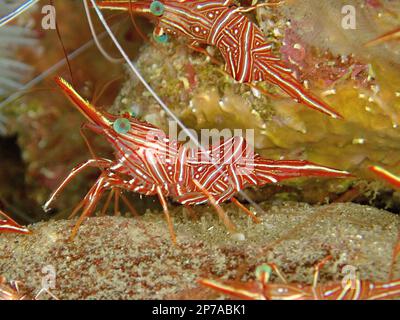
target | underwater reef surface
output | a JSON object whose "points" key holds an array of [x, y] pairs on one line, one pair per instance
{"points": [[124, 258]]}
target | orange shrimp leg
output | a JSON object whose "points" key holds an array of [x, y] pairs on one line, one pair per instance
{"points": [[391, 35], [222, 214], [101, 163], [195, 46], [317, 269], [89, 202], [107, 203], [247, 211]]}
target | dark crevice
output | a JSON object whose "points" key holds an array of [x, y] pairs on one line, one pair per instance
{"points": [[14, 196]]}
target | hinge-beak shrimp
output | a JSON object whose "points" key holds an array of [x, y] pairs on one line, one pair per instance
{"points": [[148, 162], [261, 289], [248, 57], [388, 36]]}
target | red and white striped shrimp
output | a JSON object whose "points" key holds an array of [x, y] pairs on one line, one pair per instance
{"points": [[148, 162], [9, 225], [248, 57], [261, 289]]}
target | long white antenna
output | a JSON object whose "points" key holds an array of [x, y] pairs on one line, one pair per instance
{"points": [[96, 39], [13, 14], [158, 99]]}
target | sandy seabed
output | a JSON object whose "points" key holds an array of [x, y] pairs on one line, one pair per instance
{"points": [[128, 258]]}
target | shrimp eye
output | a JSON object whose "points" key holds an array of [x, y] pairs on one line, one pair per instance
{"points": [[161, 38], [263, 272], [157, 8], [122, 125]]}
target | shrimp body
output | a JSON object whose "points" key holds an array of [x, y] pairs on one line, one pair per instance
{"points": [[261, 289], [248, 56]]}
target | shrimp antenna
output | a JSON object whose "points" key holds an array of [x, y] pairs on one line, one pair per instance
{"points": [[96, 39], [63, 47], [15, 13], [159, 100]]}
